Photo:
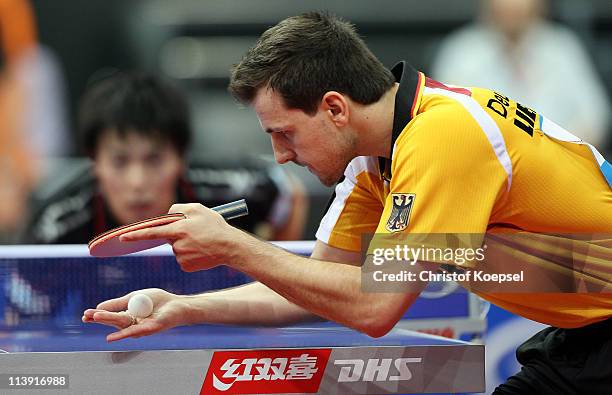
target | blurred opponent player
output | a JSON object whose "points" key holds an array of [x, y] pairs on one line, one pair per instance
{"points": [[135, 128]]}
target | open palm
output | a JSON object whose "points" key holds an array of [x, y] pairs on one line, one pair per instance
{"points": [[168, 312]]}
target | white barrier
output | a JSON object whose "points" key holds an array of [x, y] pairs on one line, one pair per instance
{"points": [[80, 250]]}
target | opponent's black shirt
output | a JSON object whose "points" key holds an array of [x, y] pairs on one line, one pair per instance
{"points": [[78, 212]]}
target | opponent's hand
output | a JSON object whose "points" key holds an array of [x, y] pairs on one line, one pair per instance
{"points": [[200, 241], [169, 310]]}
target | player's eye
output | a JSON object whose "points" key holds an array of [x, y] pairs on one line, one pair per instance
{"points": [[153, 160]]}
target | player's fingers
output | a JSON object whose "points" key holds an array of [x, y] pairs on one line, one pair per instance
{"points": [[145, 328], [130, 331], [167, 232], [117, 304], [182, 207], [186, 265], [89, 313], [118, 320]]}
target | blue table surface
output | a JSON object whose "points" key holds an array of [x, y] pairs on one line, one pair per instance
{"points": [[93, 338]]}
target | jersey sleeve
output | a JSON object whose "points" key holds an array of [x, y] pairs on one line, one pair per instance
{"points": [[356, 206]]}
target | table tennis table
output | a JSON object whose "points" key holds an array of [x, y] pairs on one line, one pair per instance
{"points": [[317, 358], [46, 288]]}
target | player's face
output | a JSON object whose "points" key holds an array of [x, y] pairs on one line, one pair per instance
{"points": [[137, 175], [312, 141]]}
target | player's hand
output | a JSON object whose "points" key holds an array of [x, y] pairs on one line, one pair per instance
{"points": [[201, 241], [169, 310]]}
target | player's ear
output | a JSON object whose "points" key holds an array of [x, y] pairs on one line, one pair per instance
{"points": [[336, 106]]}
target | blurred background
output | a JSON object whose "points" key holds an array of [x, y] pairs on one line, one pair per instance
{"points": [[194, 42]]}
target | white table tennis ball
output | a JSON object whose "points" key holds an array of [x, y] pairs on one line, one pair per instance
{"points": [[140, 305]]}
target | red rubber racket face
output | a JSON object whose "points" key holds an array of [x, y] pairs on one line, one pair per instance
{"points": [[107, 244]]}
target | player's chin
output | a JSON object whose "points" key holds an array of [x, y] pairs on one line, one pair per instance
{"points": [[133, 214], [329, 180]]}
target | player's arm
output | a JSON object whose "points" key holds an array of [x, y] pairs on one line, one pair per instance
{"points": [[257, 304], [251, 304], [325, 288], [319, 285]]}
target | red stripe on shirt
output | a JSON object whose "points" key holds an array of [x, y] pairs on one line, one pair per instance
{"points": [[430, 83]]}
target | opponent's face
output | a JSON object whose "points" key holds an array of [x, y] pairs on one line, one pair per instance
{"points": [[137, 175], [318, 142]]}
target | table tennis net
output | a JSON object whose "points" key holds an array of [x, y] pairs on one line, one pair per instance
{"points": [[38, 290]]}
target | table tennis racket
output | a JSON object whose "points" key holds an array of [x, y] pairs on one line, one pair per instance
{"points": [[108, 244]]}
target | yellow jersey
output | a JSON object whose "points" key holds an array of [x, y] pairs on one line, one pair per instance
{"points": [[469, 160]]}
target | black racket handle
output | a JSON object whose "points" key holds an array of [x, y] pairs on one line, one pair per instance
{"points": [[232, 210]]}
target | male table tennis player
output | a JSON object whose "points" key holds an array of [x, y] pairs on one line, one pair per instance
{"points": [[135, 128], [329, 104]]}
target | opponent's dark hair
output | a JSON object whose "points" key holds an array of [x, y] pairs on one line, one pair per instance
{"points": [[134, 102], [304, 56]]}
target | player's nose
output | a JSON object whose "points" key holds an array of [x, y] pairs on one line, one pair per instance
{"points": [[282, 153], [136, 177]]}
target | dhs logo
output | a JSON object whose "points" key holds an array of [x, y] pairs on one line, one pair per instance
{"points": [[375, 369], [400, 212], [266, 371]]}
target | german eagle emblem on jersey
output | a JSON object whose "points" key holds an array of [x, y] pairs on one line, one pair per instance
{"points": [[400, 213]]}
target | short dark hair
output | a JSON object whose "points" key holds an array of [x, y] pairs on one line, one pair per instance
{"points": [[304, 56], [137, 102]]}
